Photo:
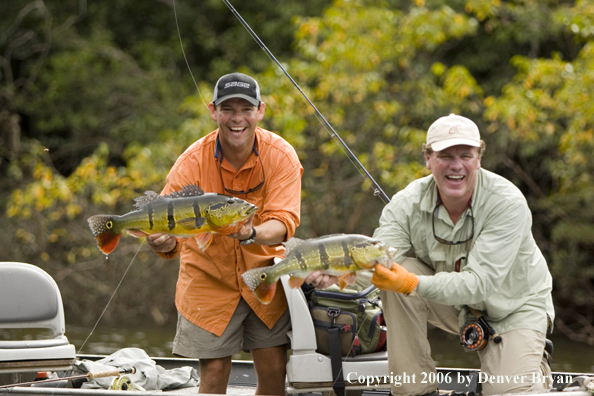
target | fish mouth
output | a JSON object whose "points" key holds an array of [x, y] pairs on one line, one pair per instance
{"points": [[250, 210], [392, 252]]}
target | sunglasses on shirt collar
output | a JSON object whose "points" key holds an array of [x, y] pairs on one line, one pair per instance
{"points": [[445, 241]]}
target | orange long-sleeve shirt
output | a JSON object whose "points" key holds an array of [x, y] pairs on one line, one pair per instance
{"points": [[210, 286]]}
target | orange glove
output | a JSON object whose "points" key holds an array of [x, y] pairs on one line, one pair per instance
{"points": [[398, 279]]}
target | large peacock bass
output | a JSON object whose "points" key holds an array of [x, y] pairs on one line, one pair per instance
{"points": [[185, 213], [341, 255]]}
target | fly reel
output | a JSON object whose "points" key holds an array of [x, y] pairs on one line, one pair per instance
{"points": [[475, 336]]}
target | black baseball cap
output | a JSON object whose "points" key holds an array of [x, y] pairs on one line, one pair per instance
{"points": [[236, 85]]}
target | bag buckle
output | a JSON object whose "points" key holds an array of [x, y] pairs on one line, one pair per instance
{"points": [[333, 313]]}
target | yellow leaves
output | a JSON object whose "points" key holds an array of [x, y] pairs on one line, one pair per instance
{"points": [[549, 128], [460, 84], [489, 101], [438, 69], [73, 210]]}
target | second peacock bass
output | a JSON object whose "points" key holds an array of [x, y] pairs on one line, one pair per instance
{"points": [[341, 255], [186, 213]]}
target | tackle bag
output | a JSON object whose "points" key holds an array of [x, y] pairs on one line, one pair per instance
{"points": [[358, 316]]}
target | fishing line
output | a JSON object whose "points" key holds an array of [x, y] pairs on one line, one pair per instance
{"points": [[184, 53], [111, 298], [353, 158], [349, 154]]}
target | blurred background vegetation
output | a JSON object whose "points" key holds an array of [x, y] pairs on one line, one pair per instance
{"points": [[96, 103]]}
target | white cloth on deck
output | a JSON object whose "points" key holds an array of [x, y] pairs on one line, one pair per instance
{"points": [[148, 374]]}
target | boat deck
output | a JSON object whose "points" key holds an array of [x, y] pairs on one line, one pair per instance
{"points": [[242, 382]]}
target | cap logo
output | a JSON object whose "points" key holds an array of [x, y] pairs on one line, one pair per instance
{"points": [[455, 128], [237, 84]]}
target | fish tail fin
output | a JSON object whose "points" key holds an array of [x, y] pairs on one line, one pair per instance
{"points": [[103, 228], [258, 280]]}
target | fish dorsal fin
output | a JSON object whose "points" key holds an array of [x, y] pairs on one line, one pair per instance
{"points": [[191, 190], [149, 196], [291, 244]]}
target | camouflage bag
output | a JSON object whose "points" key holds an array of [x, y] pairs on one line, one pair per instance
{"points": [[358, 316]]}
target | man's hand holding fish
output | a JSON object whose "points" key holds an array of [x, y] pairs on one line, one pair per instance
{"points": [[397, 279], [162, 243], [218, 315]]}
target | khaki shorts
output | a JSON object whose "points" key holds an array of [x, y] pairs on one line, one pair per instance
{"points": [[245, 331]]}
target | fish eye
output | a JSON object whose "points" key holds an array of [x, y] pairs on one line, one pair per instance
{"points": [[231, 201], [262, 276], [109, 225]]}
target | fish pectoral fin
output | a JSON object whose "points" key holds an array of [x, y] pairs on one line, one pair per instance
{"points": [[191, 223], [347, 279], [137, 233], [295, 282], [204, 240]]}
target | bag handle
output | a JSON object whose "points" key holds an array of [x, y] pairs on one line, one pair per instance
{"points": [[344, 296]]}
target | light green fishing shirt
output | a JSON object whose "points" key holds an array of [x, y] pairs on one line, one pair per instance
{"points": [[503, 273]]}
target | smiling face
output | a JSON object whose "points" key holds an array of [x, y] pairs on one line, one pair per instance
{"points": [[237, 120], [454, 170]]}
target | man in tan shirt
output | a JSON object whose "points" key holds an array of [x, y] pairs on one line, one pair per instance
{"points": [[218, 314]]}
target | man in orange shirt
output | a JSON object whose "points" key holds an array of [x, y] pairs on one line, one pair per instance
{"points": [[218, 314]]}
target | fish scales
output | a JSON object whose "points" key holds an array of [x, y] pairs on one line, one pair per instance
{"points": [[186, 213], [342, 255], [164, 216]]}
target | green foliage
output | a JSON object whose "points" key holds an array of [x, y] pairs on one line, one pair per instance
{"points": [[98, 104]]}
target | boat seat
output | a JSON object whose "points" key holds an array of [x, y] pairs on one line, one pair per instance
{"points": [[310, 371], [30, 299]]}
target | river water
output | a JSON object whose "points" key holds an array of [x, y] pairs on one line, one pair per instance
{"points": [[568, 356]]}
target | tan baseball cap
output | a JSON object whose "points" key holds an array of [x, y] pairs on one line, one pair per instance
{"points": [[451, 131]]}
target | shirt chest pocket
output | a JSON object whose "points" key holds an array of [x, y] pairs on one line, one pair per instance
{"points": [[439, 261]]}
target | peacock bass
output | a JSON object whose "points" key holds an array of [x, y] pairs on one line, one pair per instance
{"points": [[341, 255], [185, 213]]}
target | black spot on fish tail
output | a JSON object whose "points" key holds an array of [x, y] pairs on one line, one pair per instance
{"points": [[149, 209], [324, 258], [301, 261], [170, 216]]}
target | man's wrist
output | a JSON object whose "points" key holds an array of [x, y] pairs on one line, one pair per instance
{"points": [[251, 239]]}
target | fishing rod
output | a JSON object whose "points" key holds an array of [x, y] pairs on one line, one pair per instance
{"points": [[377, 189], [89, 376]]}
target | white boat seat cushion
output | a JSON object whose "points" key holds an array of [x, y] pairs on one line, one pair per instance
{"points": [[30, 299]]}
